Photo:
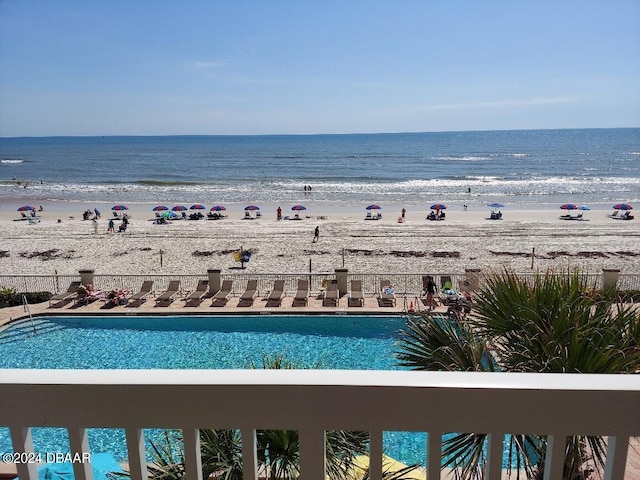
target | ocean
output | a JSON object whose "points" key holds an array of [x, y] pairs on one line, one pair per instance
{"points": [[522, 169]]}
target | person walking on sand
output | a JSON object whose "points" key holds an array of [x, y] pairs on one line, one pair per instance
{"points": [[279, 213], [95, 225], [316, 235], [431, 291], [404, 211]]}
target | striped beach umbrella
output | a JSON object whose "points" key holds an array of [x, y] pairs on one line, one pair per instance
{"points": [[26, 208], [374, 207], [119, 207], [218, 208], [495, 205], [298, 207], [252, 207], [438, 206], [197, 206], [160, 208], [569, 206], [622, 206], [179, 208]]}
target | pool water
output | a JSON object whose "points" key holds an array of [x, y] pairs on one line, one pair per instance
{"points": [[200, 342]]}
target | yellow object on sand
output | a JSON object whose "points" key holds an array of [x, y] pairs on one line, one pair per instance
{"points": [[388, 465]]}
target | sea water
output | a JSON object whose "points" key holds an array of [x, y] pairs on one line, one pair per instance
{"points": [[523, 168]]}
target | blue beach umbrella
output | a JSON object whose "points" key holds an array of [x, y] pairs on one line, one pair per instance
{"points": [[374, 207], [179, 208], [438, 206], [159, 208], [119, 207], [252, 207], [26, 208], [197, 206], [622, 206], [495, 205], [218, 208], [298, 207], [569, 206], [584, 207]]}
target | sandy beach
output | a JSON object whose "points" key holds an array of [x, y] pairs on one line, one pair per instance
{"points": [[64, 243]]}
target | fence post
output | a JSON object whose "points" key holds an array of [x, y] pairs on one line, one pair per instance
{"points": [[214, 279], [610, 278], [86, 276], [341, 279], [471, 282]]}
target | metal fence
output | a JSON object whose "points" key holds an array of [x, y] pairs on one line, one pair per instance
{"points": [[404, 284]]}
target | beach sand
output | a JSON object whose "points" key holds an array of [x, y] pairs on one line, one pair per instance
{"points": [[466, 239]]}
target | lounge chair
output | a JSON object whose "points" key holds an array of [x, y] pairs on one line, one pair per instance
{"points": [[249, 294], [357, 298], [196, 297], [85, 296], [70, 293], [387, 296], [166, 298], [221, 297], [275, 297], [302, 295], [331, 296], [139, 298]]}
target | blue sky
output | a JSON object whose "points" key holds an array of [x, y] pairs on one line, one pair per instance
{"points": [[265, 67]]}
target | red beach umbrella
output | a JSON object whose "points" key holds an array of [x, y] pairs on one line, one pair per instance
{"points": [[159, 208], [218, 208], [179, 208], [569, 206], [252, 207], [26, 208], [119, 207], [298, 207], [197, 206]]}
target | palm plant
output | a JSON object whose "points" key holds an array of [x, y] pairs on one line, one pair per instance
{"points": [[557, 323]]}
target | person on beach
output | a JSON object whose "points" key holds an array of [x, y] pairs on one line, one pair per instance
{"points": [[404, 211], [111, 228], [279, 213], [316, 235], [95, 225], [430, 291], [97, 212]]}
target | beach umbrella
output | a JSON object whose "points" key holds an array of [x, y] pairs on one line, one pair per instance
{"points": [[495, 205], [26, 208], [298, 207], [252, 207], [179, 208], [569, 206], [218, 208], [622, 206], [197, 206], [374, 207], [159, 208], [584, 207], [438, 206], [119, 207]]}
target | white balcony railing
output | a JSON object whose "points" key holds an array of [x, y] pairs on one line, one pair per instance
{"points": [[313, 402]]}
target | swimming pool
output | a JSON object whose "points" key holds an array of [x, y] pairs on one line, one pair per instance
{"points": [[201, 342]]}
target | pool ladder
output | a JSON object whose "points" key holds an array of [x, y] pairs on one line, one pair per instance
{"points": [[25, 306]]}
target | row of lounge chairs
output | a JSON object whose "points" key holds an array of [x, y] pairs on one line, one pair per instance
{"points": [[219, 298]]}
